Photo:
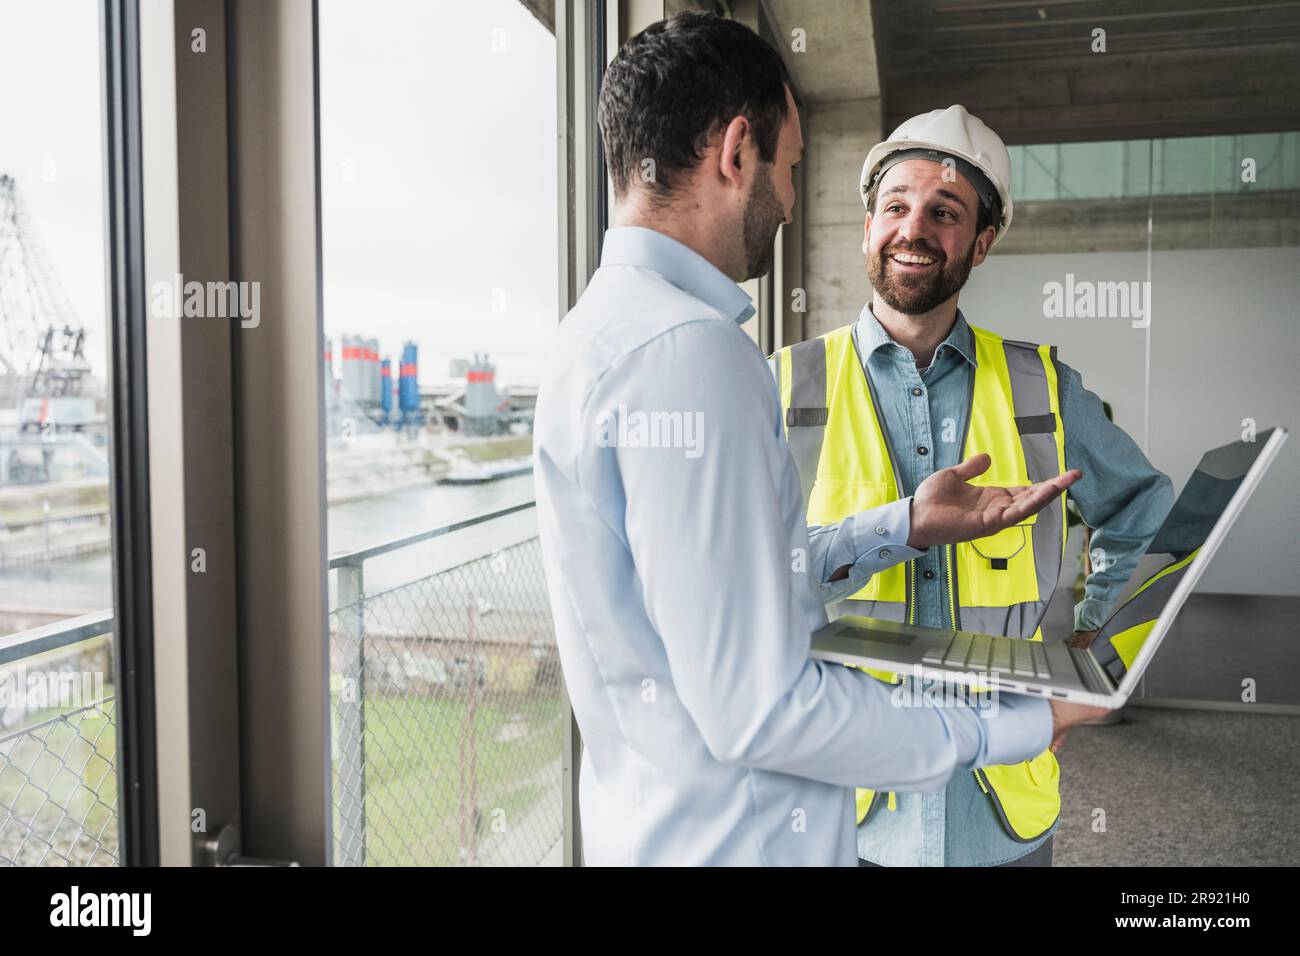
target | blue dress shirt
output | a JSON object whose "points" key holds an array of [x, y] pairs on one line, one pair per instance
{"points": [[684, 589]]}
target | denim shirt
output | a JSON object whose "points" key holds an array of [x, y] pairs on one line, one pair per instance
{"points": [[1121, 496]]}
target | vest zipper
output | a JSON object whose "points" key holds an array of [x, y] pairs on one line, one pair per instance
{"points": [[952, 612], [911, 602], [892, 803], [952, 603]]}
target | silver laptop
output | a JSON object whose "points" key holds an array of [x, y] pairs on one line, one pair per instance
{"points": [[1106, 673]]}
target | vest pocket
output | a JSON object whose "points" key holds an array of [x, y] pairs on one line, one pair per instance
{"points": [[1007, 543], [1026, 796], [999, 570]]}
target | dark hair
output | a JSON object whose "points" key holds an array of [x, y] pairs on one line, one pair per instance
{"points": [[675, 84], [983, 218]]}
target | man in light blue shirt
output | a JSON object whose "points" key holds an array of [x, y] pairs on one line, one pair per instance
{"points": [[683, 581]]}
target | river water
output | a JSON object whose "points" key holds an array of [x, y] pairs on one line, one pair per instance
{"points": [[78, 585]]}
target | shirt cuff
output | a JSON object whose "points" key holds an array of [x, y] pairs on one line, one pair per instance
{"points": [[879, 538], [1018, 728], [833, 591], [868, 542]]}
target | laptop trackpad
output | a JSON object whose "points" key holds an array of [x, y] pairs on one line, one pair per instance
{"points": [[875, 636]]}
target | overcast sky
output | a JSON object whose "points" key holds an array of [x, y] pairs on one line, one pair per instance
{"points": [[50, 142], [438, 162], [444, 115]]}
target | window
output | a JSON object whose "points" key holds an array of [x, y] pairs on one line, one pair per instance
{"points": [[1124, 169], [439, 219], [58, 703]]}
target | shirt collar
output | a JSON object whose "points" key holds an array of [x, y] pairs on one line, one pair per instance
{"points": [[680, 265], [872, 336]]}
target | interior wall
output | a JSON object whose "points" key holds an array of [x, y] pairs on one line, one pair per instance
{"points": [[1225, 343]]}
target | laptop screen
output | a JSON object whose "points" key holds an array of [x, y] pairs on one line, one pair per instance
{"points": [[1198, 509]]}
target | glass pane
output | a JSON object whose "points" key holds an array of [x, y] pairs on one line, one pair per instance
{"points": [[1195, 239], [58, 787], [1192, 165], [439, 223]]}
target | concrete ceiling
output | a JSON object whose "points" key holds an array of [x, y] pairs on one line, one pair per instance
{"points": [[1170, 67], [840, 60]]}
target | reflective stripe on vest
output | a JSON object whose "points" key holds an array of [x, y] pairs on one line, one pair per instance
{"points": [[1000, 584]]}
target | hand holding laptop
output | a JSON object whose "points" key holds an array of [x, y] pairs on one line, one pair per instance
{"points": [[1067, 715], [947, 508]]}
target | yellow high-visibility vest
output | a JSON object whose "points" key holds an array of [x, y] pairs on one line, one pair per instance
{"points": [[1000, 584]]}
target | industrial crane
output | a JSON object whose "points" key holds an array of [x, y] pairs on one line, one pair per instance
{"points": [[43, 366], [42, 343]]}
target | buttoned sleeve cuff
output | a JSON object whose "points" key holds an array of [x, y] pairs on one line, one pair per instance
{"points": [[1090, 614], [1017, 728], [879, 538], [868, 542]]}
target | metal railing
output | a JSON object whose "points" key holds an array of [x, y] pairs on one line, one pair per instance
{"points": [[448, 711], [448, 723], [58, 783]]}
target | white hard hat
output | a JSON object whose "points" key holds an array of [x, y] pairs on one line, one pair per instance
{"points": [[951, 132]]}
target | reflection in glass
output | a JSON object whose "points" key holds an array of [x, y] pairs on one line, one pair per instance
{"points": [[1199, 507]]}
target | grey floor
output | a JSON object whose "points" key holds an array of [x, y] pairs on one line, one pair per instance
{"points": [[1181, 788]]}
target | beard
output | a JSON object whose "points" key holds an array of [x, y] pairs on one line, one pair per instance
{"points": [[763, 216], [918, 294]]}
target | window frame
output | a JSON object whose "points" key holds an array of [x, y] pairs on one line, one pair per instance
{"points": [[137, 758]]}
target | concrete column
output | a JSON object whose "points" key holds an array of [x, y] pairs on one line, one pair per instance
{"points": [[839, 135]]}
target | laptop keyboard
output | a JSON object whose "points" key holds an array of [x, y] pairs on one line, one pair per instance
{"points": [[995, 655]]}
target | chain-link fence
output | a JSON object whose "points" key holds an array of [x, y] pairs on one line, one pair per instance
{"points": [[448, 729], [58, 790], [448, 717]]}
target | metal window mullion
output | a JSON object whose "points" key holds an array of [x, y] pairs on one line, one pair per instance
{"points": [[350, 815], [279, 432], [160, 200], [137, 757], [194, 682], [581, 33]]}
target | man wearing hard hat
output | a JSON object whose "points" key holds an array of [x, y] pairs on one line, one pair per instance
{"points": [[875, 407]]}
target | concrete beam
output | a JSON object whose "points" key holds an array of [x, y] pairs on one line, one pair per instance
{"points": [[837, 58]]}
